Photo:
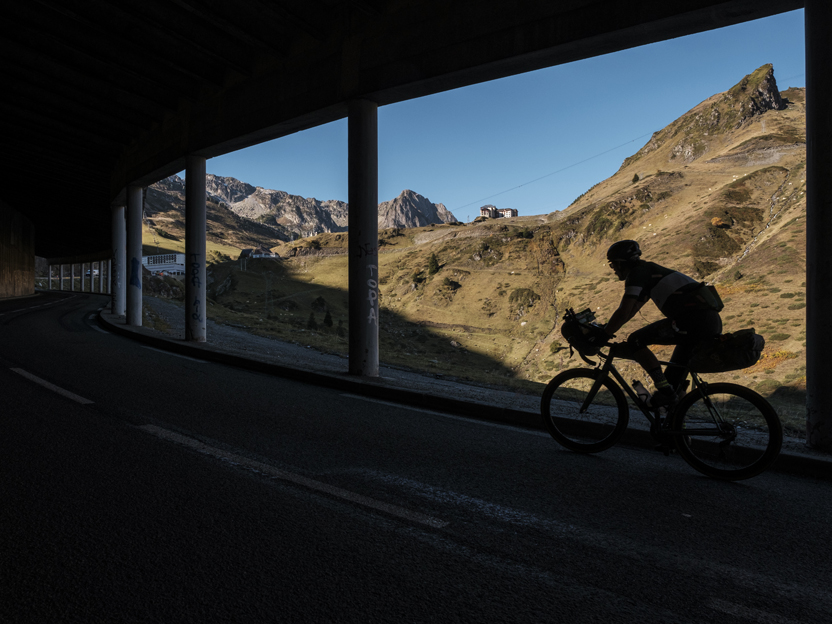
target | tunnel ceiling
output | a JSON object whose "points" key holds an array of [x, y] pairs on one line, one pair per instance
{"points": [[99, 94]]}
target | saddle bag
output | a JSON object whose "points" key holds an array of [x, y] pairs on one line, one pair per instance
{"points": [[728, 352]]}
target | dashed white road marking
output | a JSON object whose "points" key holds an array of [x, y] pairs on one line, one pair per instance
{"points": [[184, 357], [297, 479], [53, 387], [475, 421]]}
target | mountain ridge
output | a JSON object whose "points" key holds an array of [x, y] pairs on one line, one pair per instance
{"points": [[292, 216]]}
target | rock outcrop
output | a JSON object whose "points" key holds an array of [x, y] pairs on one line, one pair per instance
{"points": [[410, 210]]}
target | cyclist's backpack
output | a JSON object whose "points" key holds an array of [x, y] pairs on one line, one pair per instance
{"points": [[703, 297], [728, 352]]}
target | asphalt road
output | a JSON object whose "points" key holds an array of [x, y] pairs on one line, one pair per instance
{"points": [[141, 486]]}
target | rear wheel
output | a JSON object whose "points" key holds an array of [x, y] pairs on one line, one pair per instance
{"points": [[579, 419], [730, 431]]}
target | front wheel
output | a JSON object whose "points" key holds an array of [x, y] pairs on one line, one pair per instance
{"points": [[727, 431], [582, 414]]}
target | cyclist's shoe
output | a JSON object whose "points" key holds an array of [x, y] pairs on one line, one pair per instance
{"points": [[664, 398]]}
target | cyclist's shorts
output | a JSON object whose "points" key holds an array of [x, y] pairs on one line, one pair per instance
{"points": [[685, 330]]}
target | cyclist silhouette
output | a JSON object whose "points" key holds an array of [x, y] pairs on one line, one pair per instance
{"points": [[692, 313]]}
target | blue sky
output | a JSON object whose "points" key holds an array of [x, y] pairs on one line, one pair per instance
{"points": [[491, 143]]}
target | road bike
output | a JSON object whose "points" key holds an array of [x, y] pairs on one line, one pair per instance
{"points": [[723, 430]]}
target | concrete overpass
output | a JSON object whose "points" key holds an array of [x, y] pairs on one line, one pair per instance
{"points": [[104, 98]]}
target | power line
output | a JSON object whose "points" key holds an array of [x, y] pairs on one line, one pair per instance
{"points": [[612, 149]]}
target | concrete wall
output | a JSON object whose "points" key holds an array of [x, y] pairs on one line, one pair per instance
{"points": [[17, 254]]}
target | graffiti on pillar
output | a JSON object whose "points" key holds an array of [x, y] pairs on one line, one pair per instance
{"points": [[115, 274], [366, 250], [195, 266], [196, 307], [196, 310], [135, 273], [372, 295]]}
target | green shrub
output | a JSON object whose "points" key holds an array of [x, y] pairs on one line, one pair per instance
{"points": [[767, 386], [433, 264], [523, 297]]}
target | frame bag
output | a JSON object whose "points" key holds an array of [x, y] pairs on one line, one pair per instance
{"points": [[728, 352]]}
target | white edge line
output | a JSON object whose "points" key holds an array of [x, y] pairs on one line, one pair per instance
{"points": [[184, 357], [366, 501], [484, 423], [53, 387]]}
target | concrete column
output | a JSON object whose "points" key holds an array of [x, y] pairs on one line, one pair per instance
{"points": [[101, 276], [118, 280], [109, 277], [49, 280], [83, 276], [134, 256], [72, 277], [363, 238], [818, 16], [62, 278], [195, 303]]}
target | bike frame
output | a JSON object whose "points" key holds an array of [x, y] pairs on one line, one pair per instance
{"points": [[608, 368]]}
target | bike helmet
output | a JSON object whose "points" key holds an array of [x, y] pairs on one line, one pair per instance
{"points": [[624, 251]]}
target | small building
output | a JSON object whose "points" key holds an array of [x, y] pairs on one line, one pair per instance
{"points": [[492, 212], [263, 253], [260, 252], [170, 264]]}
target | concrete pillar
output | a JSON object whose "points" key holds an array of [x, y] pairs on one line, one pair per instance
{"points": [[134, 256], [363, 238], [49, 282], [101, 276], [117, 263], [818, 16], [72, 277], [83, 276], [62, 278], [195, 303], [109, 277]]}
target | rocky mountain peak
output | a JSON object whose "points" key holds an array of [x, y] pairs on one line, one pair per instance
{"points": [[757, 92], [410, 210], [227, 190], [690, 136]]}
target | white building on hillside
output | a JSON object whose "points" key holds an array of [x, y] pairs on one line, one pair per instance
{"points": [[172, 264], [492, 212]]}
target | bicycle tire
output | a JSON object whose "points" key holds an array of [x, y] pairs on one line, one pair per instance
{"points": [[743, 449], [596, 430]]}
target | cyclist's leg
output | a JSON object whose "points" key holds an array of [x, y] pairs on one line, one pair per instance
{"points": [[689, 331], [661, 333]]}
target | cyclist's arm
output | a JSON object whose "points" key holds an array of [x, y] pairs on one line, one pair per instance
{"points": [[627, 309]]}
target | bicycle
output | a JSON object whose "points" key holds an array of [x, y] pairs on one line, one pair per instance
{"points": [[723, 430]]}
